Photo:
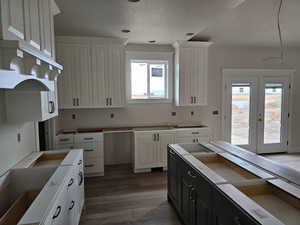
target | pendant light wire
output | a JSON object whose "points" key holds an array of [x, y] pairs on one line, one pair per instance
{"points": [[279, 28]]}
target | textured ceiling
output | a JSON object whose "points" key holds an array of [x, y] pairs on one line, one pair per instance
{"points": [[234, 22]]}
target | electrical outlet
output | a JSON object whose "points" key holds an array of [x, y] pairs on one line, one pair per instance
{"points": [[215, 112], [73, 116], [19, 137]]}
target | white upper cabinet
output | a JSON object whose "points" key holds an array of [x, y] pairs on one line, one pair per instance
{"points": [[75, 89], [94, 72], [191, 70], [31, 23], [13, 23]]}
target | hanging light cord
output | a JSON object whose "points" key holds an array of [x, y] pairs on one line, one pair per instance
{"points": [[281, 57]]}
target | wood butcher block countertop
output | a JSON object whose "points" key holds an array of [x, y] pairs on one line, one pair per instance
{"points": [[129, 128], [269, 165]]}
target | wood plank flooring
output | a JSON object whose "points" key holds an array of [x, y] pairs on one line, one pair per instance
{"points": [[122, 197]]}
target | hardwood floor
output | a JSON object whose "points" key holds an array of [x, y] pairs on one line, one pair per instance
{"points": [[121, 197]]}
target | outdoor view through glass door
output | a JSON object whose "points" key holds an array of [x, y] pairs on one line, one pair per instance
{"points": [[256, 112]]}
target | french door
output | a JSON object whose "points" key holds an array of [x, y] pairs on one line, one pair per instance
{"points": [[256, 111]]}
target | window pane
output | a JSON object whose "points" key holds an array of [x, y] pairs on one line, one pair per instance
{"points": [[157, 80], [273, 104], [240, 114], [139, 80]]}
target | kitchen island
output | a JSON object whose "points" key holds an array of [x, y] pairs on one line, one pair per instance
{"points": [[211, 186]]}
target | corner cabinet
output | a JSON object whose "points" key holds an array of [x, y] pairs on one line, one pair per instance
{"points": [[191, 70], [94, 72]]}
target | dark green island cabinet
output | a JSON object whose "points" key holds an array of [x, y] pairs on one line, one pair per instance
{"points": [[197, 200]]}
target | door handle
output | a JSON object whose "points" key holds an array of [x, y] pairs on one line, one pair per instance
{"points": [[195, 99], [57, 212], [192, 99], [74, 102], [157, 137], [77, 101], [71, 182], [52, 107], [72, 205], [260, 120], [106, 101]]}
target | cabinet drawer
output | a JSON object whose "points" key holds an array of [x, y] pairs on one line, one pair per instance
{"points": [[64, 139], [197, 132], [88, 137], [93, 166], [64, 146]]}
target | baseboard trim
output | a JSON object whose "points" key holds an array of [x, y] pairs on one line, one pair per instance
{"points": [[294, 150]]}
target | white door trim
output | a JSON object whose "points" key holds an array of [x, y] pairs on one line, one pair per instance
{"points": [[227, 73]]}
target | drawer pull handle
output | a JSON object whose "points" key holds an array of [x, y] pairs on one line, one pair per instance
{"points": [[89, 150], [57, 212], [88, 166], [64, 139], [237, 220], [72, 205], [172, 152], [80, 178], [79, 163], [71, 182], [191, 175], [88, 139]]}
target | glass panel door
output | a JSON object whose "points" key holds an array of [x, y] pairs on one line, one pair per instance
{"points": [[273, 115], [240, 112]]}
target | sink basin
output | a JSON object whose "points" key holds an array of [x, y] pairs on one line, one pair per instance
{"points": [[153, 128], [195, 148], [225, 168]]}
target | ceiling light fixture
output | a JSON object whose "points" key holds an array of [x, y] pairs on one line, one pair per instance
{"points": [[126, 31], [189, 34]]}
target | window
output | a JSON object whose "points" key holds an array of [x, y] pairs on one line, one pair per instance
{"points": [[149, 77]]}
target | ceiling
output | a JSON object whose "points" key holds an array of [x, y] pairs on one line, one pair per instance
{"points": [[234, 22]]}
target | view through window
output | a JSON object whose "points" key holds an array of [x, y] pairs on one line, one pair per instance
{"points": [[149, 79]]}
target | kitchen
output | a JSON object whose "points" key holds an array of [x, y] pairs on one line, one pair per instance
{"points": [[108, 85]]}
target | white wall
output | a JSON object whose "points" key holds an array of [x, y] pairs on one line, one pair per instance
{"points": [[11, 151], [219, 58]]}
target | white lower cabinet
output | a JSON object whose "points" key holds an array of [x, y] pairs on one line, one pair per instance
{"points": [[93, 146], [150, 149], [53, 193]]}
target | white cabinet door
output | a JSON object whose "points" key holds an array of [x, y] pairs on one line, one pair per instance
{"points": [[164, 140], [75, 83], [116, 77], [99, 75], [46, 27], [32, 21], [145, 151], [65, 55], [82, 76], [13, 19]]}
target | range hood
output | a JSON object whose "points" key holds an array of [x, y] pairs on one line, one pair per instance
{"points": [[20, 70]]}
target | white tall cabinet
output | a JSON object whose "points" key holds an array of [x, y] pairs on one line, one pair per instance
{"points": [[94, 72], [191, 69]]}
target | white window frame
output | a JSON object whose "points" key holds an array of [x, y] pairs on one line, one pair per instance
{"points": [[151, 57]]}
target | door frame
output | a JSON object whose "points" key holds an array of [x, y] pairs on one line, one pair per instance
{"points": [[227, 73]]}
